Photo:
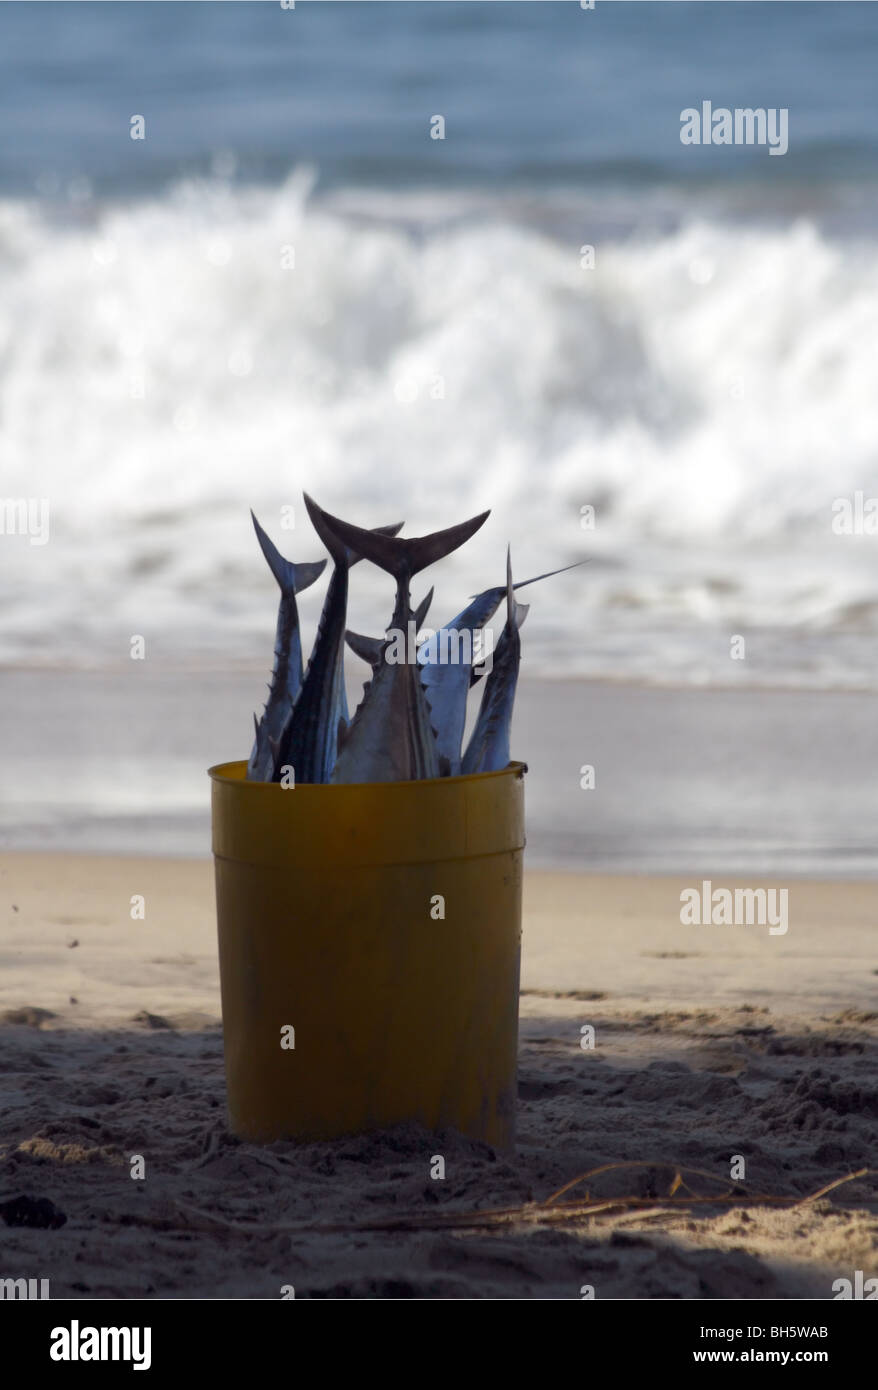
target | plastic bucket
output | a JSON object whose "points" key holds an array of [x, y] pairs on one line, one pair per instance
{"points": [[369, 947]]}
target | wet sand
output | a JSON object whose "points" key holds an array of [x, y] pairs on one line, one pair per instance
{"points": [[686, 780]]}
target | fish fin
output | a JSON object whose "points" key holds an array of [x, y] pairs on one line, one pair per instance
{"points": [[341, 553], [367, 648], [256, 723], [393, 530], [291, 578], [517, 612], [400, 556], [422, 610], [305, 575], [550, 574], [495, 596]]}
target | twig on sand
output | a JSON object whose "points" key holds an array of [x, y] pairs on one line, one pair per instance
{"points": [[860, 1173], [549, 1211], [638, 1163]]}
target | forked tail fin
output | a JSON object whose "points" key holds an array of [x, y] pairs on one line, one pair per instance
{"points": [[291, 578], [342, 554], [398, 555]]}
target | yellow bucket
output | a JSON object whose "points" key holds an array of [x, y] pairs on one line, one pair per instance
{"points": [[369, 946]]}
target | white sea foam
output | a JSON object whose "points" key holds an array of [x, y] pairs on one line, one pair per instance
{"points": [[708, 388]]}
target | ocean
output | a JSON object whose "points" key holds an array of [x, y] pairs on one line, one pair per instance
{"points": [[653, 356], [287, 284]]}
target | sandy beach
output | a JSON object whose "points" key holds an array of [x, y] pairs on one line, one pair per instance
{"points": [[247, 276], [710, 1041]]}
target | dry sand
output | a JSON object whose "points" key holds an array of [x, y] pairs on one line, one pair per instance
{"points": [[710, 1042]]}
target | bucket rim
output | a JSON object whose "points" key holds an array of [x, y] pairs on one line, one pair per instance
{"points": [[219, 773]]}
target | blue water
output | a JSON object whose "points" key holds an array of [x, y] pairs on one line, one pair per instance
{"points": [[533, 94]]}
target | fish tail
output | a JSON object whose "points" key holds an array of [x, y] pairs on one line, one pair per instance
{"points": [[392, 530], [342, 554], [291, 578], [400, 556]]}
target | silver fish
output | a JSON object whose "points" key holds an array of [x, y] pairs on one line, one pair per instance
{"points": [[448, 671], [390, 737], [488, 748], [309, 742], [286, 676], [370, 649]]}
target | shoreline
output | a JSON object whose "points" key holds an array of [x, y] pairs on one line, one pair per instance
{"points": [[258, 670], [541, 870], [707, 782]]}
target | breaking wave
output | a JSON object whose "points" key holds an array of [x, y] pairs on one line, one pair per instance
{"points": [[708, 387]]}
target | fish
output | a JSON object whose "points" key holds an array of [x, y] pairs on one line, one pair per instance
{"points": [[309, 740], [369, 649], [422, 610], [488, 747], [449, 670], [286, 676], [390, 737]]}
